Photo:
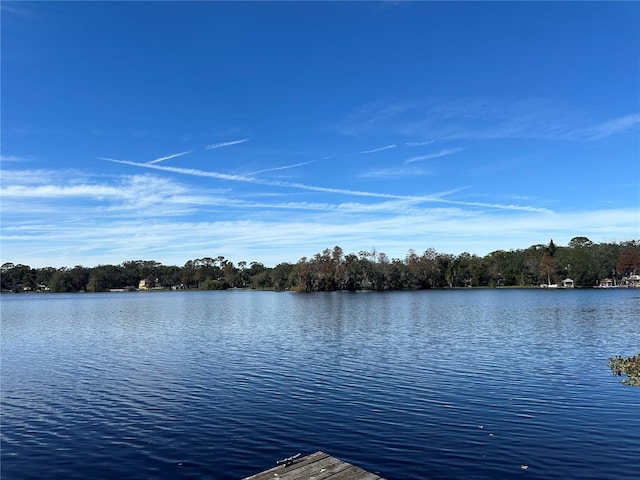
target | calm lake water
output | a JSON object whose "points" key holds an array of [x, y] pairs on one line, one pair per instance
{"points": [[471, 384]]}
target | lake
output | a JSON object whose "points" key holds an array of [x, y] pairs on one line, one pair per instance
{"points": [[460, 384]]}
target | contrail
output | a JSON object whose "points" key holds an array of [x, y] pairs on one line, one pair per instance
{"points": [[430, 156], [281, 168], [301, 186], [162, 159], [380, 149], [225, 144]]}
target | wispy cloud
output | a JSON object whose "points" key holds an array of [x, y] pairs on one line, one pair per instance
{"points": [[55, 184], [430, 156], [168, 157], [54, 191], [493, 168], [58, 194], [284, 167], [41, 176], [380, 149], [257, 181], [448, 230], [526, 198], [389, 173], [20, 11], [608, 128], [226, 144], [482, 118], [187, 171], [369, 117], [13, 159], [103, 219], [438, 198], [501, 206]]}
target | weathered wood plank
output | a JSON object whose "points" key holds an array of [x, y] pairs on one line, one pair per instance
{"points": [[317, 466], [271, 473]]}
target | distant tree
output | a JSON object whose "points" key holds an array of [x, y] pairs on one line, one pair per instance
{"points": [[97, 281], [584, 261], [255, 268], [44, 275], [229, 273], [280, 277], [413, 275], [463, 269], [79, 277], [243, 274], [451, 274], [547, 267], [17, 277], [7, 277], [446, 265], [605, 257], [629, 259], [303, 281], [579, 261], [580, 242], [429, 269], [188, 275], [323, 271], [337, 255], [395, 277], [210, 284], [497, 268], [61, 281], [352, 279], [168, 276], [6, 267], [105, 277]]}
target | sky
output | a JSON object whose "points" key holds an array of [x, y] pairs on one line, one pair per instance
{"points": [[267, 132]]}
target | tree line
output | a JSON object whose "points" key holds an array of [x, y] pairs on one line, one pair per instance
{"points": [[585, 262]]}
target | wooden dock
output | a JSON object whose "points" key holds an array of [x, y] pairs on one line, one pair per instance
{"points": [[317, 466]]}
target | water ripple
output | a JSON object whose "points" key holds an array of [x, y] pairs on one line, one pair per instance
{"points": [[469, 384]]}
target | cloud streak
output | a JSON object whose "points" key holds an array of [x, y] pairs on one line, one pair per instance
{"points": [[611, 127], [12, 159], [483, 118], [419, 144], [60, 195], [226, 144], [91, 242], [431, 156], [380, 149], [258, 181], [284, 167], [389, 173], [438, 198], [168, 157]]}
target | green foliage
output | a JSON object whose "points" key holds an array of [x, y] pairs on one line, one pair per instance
{"points": [[213, 285], [60, 282], [580, 242], [629, 366], [582, 260]]}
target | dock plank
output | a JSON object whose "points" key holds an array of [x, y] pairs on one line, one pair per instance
{"points": [[316, 466]]}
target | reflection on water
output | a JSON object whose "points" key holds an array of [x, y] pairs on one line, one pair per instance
{"points": [[435, 384]]}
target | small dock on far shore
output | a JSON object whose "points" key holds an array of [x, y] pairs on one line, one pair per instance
{"points": [[317, 466]]}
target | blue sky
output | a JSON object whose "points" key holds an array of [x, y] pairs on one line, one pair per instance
{"points": [[271, 131]]}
